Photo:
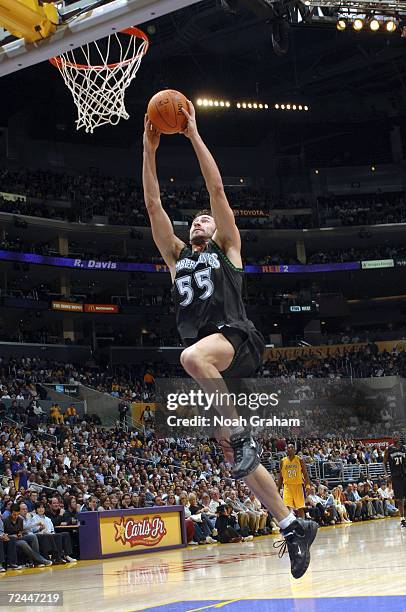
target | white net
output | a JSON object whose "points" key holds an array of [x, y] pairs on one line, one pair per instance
{"points": [[97, 85]]}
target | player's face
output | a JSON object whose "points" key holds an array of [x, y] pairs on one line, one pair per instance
{"points": [[202, 229]]}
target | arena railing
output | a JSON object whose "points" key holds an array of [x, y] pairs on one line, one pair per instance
{"points": [[333, 472]]}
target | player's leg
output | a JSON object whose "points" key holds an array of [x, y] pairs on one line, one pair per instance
{"points": [[204, 361], [299, 501], [399, 490]]}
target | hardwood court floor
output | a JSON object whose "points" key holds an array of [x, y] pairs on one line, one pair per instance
{"points": [[352, 566]]}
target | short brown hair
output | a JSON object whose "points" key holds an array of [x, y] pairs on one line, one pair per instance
{"points": [[200, 213]]}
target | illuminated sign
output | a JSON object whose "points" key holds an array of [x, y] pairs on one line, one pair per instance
{"points": [[102, 308], [377, 263], [67, 306]]}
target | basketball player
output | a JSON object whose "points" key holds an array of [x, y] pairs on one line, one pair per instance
{"points": [[293, 475], [220, 341], [395, 455]]}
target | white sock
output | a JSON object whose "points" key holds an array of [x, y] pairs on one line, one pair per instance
{"points": [[284, 523]]}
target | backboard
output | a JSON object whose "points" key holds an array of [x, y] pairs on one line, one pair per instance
{"points": [[82, 22]]}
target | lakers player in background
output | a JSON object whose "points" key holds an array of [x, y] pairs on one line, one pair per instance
{"points": [[294, 478], [220, 341]]}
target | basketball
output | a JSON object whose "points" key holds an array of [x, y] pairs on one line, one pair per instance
{"points": [[164, 111]]}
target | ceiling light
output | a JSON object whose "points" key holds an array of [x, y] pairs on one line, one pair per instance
{"points": [[390, 26], [244, 105], [238, 105], [199, 102], [255, 105], [306, 108], [341, 24], [205, 102], [228, 104], [300, 107], [373, 168], [358, 24], [261, 106], [374, 25], [276, 106], [266, 105], [294, 107], [221, 103], [216, 103], [288, 106], [249, 105], [210, 102], [282, 106]]}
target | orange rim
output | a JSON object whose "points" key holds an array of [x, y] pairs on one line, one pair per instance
{"points": [[60, 61]]}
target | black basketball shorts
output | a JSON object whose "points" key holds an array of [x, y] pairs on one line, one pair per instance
{"points": [[399, 487], [249, 348]]}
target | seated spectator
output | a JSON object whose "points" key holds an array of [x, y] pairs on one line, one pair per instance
{"points": [[360, 511], [70, 516], [388, 501], [198, 514], [13, 527], [227, 526], [254, 506], [339, 506], [202, 529], [35, 535], [247, 519], [71, 415], [55, 414], [31, 499], [56, 512], [46, 527], [8, 551], [316, 508], [353, 507]]}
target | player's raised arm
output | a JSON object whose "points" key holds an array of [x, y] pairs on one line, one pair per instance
{"points": [[227, 234], [168, 244]]}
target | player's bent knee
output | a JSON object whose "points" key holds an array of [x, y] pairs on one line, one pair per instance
{"points": [[190, 360]]}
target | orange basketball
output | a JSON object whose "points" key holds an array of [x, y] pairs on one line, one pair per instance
{"points": [[164, 111]]}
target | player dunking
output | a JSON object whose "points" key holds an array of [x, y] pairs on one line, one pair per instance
{"points": [[395, 455], [220, 340]]}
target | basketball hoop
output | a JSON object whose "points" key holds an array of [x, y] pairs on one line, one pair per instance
{"points": [[98, 86]]}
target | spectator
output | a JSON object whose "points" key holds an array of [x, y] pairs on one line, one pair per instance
{"points": [[71, 414], [227, 526], [55, 414], [8, 550], [13, 527]]}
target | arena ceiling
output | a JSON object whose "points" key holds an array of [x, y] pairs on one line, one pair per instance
{"points": [[201, 50]]}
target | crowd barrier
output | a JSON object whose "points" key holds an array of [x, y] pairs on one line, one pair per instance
{"points": [[335, 471]]}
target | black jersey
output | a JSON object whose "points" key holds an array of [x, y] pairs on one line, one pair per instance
{"points": [[397, 461], [207, 293]]}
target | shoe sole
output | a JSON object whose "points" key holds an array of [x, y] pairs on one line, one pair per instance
{"points": [[314, 529], [241, 475]]}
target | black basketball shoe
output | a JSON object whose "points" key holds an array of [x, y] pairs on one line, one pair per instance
{"points": [[246, 454], [299, 536]]}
